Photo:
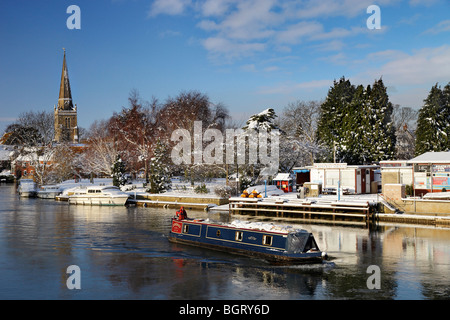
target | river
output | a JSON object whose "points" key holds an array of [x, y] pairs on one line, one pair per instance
{"points": [[123, 253]]}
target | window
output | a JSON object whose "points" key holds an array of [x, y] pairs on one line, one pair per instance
{"points": [[218, 233], [185, 228], [239, 236], [267, 240]]}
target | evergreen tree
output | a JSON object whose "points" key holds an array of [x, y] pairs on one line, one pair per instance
{"points": [[434, 121], [355, 123], [352, 147], [160, 175], [379, 127], [118, 172], [261, 121], [446, 114], [334, 111]]}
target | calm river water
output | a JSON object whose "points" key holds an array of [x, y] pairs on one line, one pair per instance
{"points": [[123, 253]]}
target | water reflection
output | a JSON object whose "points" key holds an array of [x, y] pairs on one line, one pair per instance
{"points": [[123, 253]]}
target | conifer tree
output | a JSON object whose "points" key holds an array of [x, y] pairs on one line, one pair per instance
{"points": [[333, 114], [434, 121], [380, 128], [160, 175], [353, 146], [261, 121], [356, 124], [118, 172]]}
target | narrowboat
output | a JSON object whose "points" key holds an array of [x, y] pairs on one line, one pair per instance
{"points": [[290, 246]]}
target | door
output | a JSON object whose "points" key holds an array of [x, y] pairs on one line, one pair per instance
{"points": [[368, 181]]}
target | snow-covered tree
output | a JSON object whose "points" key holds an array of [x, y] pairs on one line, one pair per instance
{"points": [[334, 112], [299, 122], [380, 128], [258, 129], [118, 172], [355, 123], [264, 120], [102, 151], [134, 130], [433, 124], [160, 173]]}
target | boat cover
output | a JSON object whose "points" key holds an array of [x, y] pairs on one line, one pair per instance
{"points": [[297, 241]]}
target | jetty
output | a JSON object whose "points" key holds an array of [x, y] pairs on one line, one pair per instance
{"points": [[351, 210], [310, 209], [171, 201]]}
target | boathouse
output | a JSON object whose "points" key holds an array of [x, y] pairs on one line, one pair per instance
{"points": [[353, 179], [431, 172]]}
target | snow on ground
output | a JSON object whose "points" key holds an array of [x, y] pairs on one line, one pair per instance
{"points": [[183, 188]]}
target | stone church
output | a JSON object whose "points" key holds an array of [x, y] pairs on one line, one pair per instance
{"points": [[66, 127]]}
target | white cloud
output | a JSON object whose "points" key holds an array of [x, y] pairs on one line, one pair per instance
{"points": [[288, 88], [424, 66], [216, 7], [170, 7], [412, 75], [295, 33], [443, 26], [231, 50]]}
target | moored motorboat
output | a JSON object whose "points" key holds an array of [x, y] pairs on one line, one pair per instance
{"points": [[99, 195], [48, 191], [27, 188], [280, 246]]}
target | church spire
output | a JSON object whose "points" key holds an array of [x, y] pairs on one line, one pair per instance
{"points": [[65, 96]]}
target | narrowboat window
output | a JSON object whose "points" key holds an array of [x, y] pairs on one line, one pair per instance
{"points": [[185, 228], [218, 233], [267, 240], [239, 236]]}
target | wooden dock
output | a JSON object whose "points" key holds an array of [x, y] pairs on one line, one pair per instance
{"points": [[303, 209], [170, 204]]}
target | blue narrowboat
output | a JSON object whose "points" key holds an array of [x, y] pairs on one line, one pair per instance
{"points": [[297, 246]]}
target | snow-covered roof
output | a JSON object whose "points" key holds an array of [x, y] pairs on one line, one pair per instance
{"points": [[432, 157], [5, 153]]}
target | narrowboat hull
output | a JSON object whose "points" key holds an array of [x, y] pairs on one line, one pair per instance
{"points": [[274, 247]]}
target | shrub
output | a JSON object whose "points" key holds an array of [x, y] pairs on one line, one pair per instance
{"points": [[201, 189], [223, 191]]}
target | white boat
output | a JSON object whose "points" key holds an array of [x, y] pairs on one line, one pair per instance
{"points": [[27, 188], [99, 195], [48, 191]]}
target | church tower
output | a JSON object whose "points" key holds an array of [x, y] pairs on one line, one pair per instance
{"points": [[66, 128]]}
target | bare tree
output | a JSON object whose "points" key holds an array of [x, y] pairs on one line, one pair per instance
{"points": [[102, 150], [134, 130], [299, 121], [405, 121], [33, 134]]}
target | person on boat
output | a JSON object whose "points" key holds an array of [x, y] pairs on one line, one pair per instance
{"points": [[181, 214]]}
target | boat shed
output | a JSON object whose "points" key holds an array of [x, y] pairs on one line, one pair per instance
{"points": [[354, 179], [431, 172], [284, 182]]}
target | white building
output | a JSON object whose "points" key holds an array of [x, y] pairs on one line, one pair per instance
{"points": [[355, 179]]}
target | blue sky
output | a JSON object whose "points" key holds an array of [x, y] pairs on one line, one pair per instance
{"points": [[247, 54]]}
